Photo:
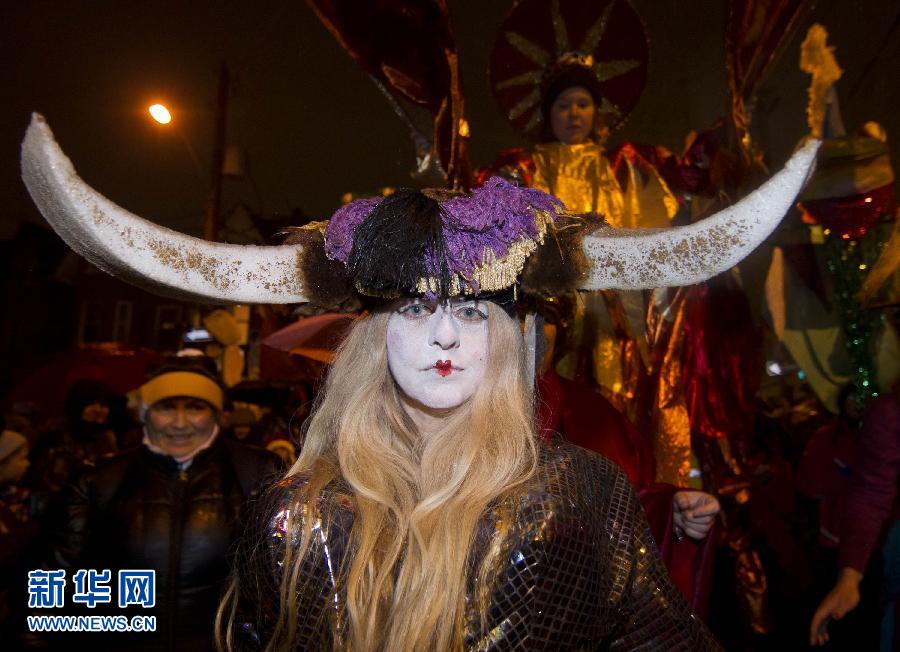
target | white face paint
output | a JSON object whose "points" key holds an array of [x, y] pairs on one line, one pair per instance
{"points": [[438, 354]]}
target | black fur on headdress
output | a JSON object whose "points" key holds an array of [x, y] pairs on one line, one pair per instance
{"points": [[559, 265], [325, 281], [391, 246]]}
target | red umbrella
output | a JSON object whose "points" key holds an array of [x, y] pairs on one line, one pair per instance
{"points": [[313, 337], [118, 365]]}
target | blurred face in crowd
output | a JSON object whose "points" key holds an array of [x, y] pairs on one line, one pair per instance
{"points": [[572, 115], [95, 413], [180, 425], [13, 468]]}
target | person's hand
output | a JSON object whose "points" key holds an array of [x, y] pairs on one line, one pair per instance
{"points": [[841, 600], [695, 512]]}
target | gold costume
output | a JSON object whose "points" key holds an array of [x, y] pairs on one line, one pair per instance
{"points": [[582, 177], [637, 367]]}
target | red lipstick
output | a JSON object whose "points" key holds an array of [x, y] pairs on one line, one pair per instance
{"points": [[444, 368]]}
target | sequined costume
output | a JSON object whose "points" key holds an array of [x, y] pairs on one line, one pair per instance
{"points": [[581, 176], [576, 567], [585, 179]]}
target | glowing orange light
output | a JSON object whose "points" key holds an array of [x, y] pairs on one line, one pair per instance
{"points": [[160, 113]]}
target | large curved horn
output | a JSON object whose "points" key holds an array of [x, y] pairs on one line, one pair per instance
{"points": [[144, 253], [634, 259]]}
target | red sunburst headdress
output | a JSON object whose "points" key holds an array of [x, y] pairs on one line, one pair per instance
{"points": [[604, 42]]}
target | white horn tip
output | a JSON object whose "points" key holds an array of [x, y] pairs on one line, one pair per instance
{"points": [[145, 253], [645, 258]]}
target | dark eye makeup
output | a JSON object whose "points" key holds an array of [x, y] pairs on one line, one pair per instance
{"points": [[470, 311]]}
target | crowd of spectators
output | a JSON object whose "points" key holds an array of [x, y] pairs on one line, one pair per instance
{"points": [[156, 479]]}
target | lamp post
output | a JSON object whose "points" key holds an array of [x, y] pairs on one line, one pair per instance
{"points": [[211, 215], [162, 115]]}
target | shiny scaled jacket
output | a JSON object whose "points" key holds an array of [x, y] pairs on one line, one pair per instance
{"points": [[141, 510], [577, 567]]}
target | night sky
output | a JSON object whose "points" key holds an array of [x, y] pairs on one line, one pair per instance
{"points": [[312, 123]]}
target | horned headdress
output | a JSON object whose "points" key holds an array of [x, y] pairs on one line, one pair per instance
{"points": [[427, 243]]}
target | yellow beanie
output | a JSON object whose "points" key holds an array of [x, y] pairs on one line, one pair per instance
{"points": [[181, 383]]}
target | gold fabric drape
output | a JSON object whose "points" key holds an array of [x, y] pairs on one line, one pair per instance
{"points": [[635, 349], [581, 176]]}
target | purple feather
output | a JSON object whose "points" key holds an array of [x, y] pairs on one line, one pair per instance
{"points": [[496, 215], [342, 227]]}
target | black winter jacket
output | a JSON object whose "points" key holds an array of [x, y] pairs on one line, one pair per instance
{"points": [[137, 510]]}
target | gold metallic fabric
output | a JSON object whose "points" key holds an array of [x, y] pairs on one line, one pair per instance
{"points": [[575, 567], [629, 363], [672, 425], [884, 268], [646, 368], [649, 203], [581, 176]]}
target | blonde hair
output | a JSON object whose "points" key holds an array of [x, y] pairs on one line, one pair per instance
{"points": [[417, 499]]}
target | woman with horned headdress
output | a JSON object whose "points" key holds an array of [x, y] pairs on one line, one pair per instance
{"points": [[423, 512]]}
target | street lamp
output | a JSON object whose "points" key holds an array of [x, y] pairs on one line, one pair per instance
{"points": [[164, 117], [160, 113]]}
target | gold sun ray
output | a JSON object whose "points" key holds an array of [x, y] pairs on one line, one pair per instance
{"points": [[561, 35], [529, 49], [534, 120], [525, 79], [609, 108], [595, 33], [527, 109], [525, 103], [609, 69]]}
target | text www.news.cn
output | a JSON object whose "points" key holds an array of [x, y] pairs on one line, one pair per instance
{"points": [[92, 623]]}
